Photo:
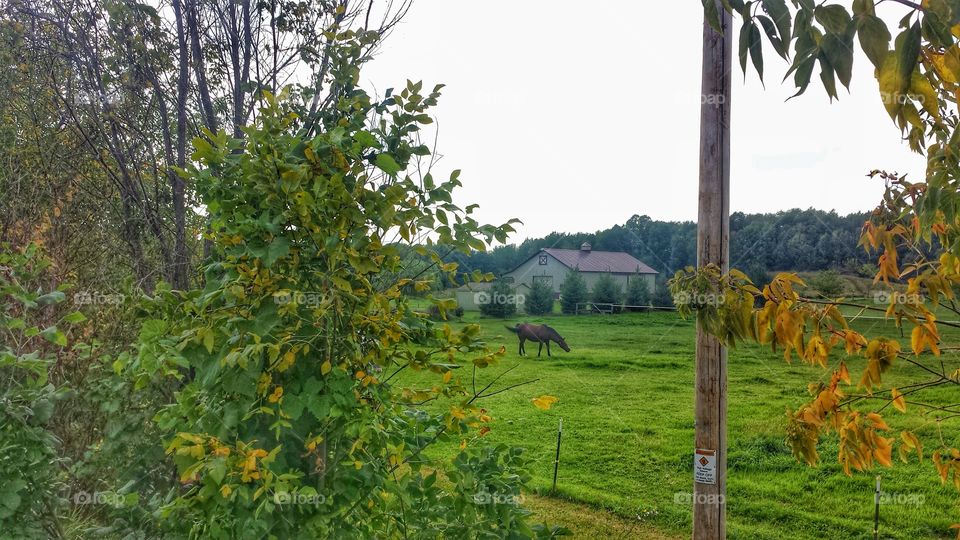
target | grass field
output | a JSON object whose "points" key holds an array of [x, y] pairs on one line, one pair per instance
{"points": [[626, 398]]}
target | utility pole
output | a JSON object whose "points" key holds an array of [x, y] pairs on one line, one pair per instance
{"points": [[713, 227]]}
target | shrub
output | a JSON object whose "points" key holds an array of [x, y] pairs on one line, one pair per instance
{"points": [[285, 401], [436, 315], [501, 301], [638, 293], [540, 299], [30, 467], [828, 283], [607, 291], [661, 294], [572, 292], [758, 274]]}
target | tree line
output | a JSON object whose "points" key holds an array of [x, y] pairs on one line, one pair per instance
{"points": [[799, 240]]}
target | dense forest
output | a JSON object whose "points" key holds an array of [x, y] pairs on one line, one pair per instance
{"points": [[800, 240]]}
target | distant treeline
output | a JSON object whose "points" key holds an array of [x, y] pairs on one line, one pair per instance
{"points": [[801, 240]]}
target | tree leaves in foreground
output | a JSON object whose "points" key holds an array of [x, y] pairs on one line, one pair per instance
{"points": [[293, 420], [918, 77]]}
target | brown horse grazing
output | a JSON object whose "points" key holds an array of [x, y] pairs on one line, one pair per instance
{"points": [[538, 333]]}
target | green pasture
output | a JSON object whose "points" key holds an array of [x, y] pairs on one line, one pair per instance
{"points": [[626, 399]]}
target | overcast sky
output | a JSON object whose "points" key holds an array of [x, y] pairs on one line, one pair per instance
{"points": [[575, 119]]}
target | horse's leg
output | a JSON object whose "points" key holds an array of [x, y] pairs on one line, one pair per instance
{"points": [[521, 345], [548, 347], [540, 349]]}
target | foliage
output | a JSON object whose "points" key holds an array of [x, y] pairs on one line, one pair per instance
{"points": [[606, 290], [438, 314], [32, 339], [918, 76], [288, 424], [802, 240], [501, 301], [828, 283], [573, 292], [638, 292], [540, 299]]}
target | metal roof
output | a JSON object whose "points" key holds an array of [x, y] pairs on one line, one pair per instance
{"points": [[616, 262]]}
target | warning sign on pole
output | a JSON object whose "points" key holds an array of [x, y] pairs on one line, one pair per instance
{"points": [[705, 466]]}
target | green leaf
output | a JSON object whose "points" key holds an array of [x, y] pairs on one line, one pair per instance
{"points": [[826, 75], [834, 18], [908, 51], [54, 297], [387, 164], [278, 248], [778, 11], [744, 48], [840, 54], [711, 15], [75, 317], [54, 336], [874, 39], [756, 49], [771, 31]]}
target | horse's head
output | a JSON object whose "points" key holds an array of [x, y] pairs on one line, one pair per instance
{"points": [[559, 340]]}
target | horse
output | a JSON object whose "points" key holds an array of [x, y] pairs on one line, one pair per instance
{"points": [[539, 333]]}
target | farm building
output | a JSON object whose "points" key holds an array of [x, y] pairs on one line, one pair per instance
{"points": [[552, 266], [471, 295]]}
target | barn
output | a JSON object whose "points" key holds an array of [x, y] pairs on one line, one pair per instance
{"points": [[552, 265]]}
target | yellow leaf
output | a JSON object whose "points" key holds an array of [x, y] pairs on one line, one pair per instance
{"points": [[225, 490], [325, 367], [447, 376], [276, 395], [544, 402], [899, 403]]}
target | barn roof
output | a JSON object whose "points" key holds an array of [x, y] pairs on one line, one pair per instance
{"points": [[616, 262]]}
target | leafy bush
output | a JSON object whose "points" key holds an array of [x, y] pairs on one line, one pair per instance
{"points": [[572, 292], [540, 299], [607, 291], [437, 315], [285, 404], [30, 463], [758, 274], [500, 301], [638, 293], [828, 283], [661, 294]]}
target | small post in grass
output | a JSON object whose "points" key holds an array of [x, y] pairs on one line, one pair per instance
{"points": [[876, 511], [556, 462]]}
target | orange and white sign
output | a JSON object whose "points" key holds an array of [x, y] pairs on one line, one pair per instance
{"points": [[705, 466]]}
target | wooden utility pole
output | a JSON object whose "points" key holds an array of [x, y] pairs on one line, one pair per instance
{"points": [[713, 227]]}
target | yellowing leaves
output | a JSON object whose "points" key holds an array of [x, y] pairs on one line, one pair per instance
{"points": [[898, 401], [325, 367], [276, 395], [544, 402], [925, 336]]}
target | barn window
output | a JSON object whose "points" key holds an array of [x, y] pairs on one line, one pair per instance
{"points": [[543, 260]]}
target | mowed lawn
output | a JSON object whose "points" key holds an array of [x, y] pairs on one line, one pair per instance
{"points": [[626, 399]]}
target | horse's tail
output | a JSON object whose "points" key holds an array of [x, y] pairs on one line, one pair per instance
{"points": [[514, 329]]}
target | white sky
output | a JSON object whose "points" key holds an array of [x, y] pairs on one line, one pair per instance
{"points": [[574, 119]]}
